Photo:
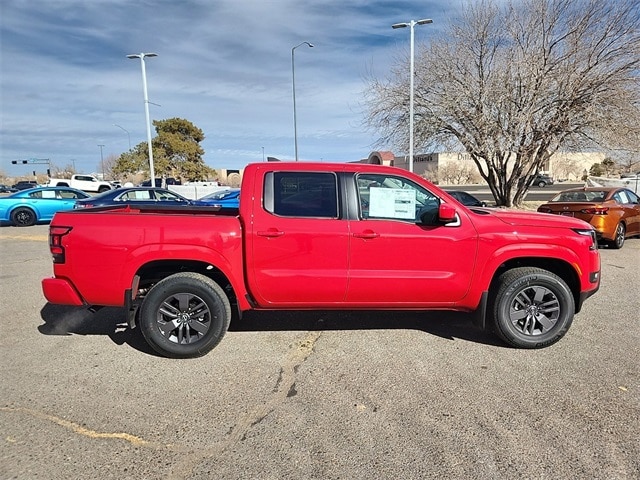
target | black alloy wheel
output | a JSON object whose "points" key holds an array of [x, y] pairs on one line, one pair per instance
{"points": [[23, 217]]}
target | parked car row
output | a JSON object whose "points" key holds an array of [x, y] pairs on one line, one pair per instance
{"points": [[135, 196], [7, 189], [28, 207], [24, 184], [614, 213]]}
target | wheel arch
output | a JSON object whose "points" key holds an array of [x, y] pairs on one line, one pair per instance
{"points": [[152, 272], [554, 265]]}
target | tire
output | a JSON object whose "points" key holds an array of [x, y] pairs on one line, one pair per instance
{"points": [[618, 240], [185, 315], [542, 184], [23, 217], [103, 189], [532, 308]]}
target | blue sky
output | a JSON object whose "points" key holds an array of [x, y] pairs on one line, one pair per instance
{"points": [[224, 65]]}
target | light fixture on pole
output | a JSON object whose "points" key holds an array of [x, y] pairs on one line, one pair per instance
{"points": [[102, 160], [411, 24], [146, 109], [126, 131], [293, 74]]}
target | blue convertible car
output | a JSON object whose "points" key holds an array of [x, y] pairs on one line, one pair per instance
{"points": [[34, 205]]}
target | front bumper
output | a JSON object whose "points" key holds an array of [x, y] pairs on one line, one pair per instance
{"points": [[595, 278]]}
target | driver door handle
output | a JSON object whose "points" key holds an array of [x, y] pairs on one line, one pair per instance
{"points": [[271, 233]]}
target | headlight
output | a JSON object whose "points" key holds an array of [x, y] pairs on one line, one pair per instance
{"points": [[589, 233]]}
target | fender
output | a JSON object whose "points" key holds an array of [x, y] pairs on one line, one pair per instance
{"points": [[231, 267], [524, 250]]}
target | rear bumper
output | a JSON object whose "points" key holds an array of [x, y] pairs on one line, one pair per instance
{"points": [[61, 292]]}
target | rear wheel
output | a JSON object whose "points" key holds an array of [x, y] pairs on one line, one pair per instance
{"points": [[23, 217], [532, 308], [618, 240], [185, 315]]}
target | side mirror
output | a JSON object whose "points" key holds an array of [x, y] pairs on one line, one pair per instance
{"points": [[447, 213], [439, 214]]}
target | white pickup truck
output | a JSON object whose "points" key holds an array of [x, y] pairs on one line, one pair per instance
{"points": [[86, 183]]}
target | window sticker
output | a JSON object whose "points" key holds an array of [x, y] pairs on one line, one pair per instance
{"points": [[392, 203]]}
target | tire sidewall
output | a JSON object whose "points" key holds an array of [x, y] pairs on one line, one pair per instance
{"points": [[505, 297], [28, 211], [194, 284], [618, 240]]}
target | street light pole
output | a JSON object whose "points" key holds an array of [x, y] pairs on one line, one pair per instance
{"points": [[293, 75], [411, 24], [126, 131], [146, 110], [102, 160]]}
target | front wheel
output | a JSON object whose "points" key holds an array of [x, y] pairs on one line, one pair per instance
{"points": [[185, 315], [103, 189], [23, 217], [532, 308]]}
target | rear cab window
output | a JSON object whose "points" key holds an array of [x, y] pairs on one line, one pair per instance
{"points": [[302, 194]]}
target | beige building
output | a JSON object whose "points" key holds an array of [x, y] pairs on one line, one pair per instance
{"points": [[561, 165]]}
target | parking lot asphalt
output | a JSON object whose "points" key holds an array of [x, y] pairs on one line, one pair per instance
{"points": [[315, 395]]}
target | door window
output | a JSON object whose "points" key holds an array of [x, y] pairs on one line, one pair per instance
{"points": [[395, 198]]}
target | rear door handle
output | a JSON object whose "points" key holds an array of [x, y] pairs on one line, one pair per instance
{"points": [[367, 234], [272, 232]]}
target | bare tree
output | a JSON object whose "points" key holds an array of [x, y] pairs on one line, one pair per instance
{"points": [[567, 168], [515, 83], [109, 164], [456, 173]]}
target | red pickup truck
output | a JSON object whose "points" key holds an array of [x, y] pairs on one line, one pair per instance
{"points": [[324, 236]]}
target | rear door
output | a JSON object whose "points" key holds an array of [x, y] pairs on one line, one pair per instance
{"points": [[297, 250]]}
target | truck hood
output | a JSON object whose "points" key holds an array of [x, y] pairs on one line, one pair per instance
{"points": [[535, 219]]}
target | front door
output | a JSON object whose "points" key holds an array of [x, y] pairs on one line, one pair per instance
{"points": [[394, 260]]}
